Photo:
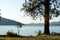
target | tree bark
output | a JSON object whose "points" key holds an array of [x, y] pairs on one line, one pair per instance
{"points": [[46, 17]]}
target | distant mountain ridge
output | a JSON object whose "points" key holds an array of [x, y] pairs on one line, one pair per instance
{"points": [[40, 24], [5, 21], [55, 23]]}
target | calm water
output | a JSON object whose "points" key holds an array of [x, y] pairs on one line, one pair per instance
{"points": [[27, 30]]}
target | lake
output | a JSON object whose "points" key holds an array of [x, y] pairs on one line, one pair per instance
{"points": [[27, 30]]}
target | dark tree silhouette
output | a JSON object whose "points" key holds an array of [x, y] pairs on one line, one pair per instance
{"points": [[19, 25], [47, 8]]}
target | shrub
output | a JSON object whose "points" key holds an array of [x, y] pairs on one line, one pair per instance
{"points": [[55, 33], [39, 33], [12, 34]]}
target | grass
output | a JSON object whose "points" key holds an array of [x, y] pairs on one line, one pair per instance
{"points": [[41, 37]]}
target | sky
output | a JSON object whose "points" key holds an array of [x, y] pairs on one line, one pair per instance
{"points": [[11, 9]]}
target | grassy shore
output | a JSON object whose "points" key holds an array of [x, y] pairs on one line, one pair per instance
{"points": [[41, 37]]}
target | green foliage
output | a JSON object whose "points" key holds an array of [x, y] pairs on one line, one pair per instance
{"points": [[39, 33], [55, 33], [36, 8], [11, 34], [19, 25]]}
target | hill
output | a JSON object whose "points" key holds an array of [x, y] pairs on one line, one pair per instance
{"points": [[5, 21], [41, 24]]}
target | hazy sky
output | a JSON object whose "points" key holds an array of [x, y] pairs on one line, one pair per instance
{"points": [[11, 9]]}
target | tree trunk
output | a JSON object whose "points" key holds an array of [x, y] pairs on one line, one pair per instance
{"points": [[46, 17]]}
